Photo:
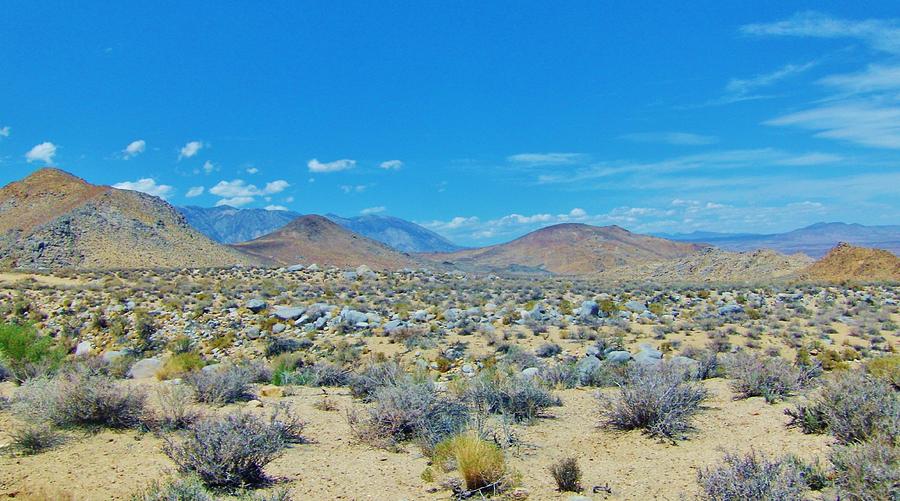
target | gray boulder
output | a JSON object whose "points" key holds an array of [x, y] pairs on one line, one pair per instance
{"points": [[256, 305], [588, 309], [288, 312], [587, 365], [145, 368], [618, 357]]}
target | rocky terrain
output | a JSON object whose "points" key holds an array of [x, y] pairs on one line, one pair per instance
{"points": [[52, 219], [847, 263], [316, 239]]}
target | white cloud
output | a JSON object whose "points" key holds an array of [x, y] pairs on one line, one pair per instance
{"points": [[234, 201], [275, 187], [43, 152], [545, 158], [252, 170], [338, 165], [190, 149], [146, 185], [195, 191], [134, 149], [742, 88], [883, 35], [373, 210], [810, 159], [874, 79], [391, 164], [676, 138], [577, 213], [5, 131], [209, 167], [276, 207]]}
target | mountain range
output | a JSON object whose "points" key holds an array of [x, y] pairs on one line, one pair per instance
{"points": [[814, 240]]}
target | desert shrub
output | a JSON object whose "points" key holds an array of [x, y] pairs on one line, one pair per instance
{"points": [[176, 489], [658, 399], [752, 477], [547, 350], [567, 475], [179, 365], [409, 410], [79, 398], [561, 375], [754, 375], [867, 471], [221, 385], [175, 411], [366, 382], [887, 368], [26, 354], [479, 462], [35, 438], [319, 374], [227, 451], [279, 345], [518, 357], [512, 395], [852, 406]]}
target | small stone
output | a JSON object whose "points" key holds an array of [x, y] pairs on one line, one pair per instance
{"points": [[254, 404], [271, 391]]}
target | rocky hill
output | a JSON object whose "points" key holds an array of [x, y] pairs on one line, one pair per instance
{"points": [[52, 219], [400, 234], [717, 265], [846, 263], [230, 225], [571, 249], [316, 239]]}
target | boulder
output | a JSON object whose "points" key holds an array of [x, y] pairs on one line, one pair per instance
{"points": [[144, 368], [618, 357], [83, 349], [288, 312], [256, 305], [635, 306], [587, 365], [588, 309]]}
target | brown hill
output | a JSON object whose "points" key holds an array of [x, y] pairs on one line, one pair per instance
{"points": [[316, 239], [571, 249], [856, 264], [52, 219]]}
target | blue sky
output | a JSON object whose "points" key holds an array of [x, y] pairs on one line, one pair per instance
{"points": [[481, 120]]}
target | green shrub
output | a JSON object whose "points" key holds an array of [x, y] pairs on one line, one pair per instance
{"points": [[27, 354]]}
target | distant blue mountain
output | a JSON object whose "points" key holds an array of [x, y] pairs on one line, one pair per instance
{"points": [[230, 225], [814, 240], [398, 233]]}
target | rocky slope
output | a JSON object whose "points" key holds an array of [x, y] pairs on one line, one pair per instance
{"points": [[717, 265], [399, 234], [316, 239], [52, 219], [230, 225], [571, 249], [846, 262]]}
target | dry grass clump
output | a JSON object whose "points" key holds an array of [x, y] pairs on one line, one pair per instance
{"points": [[221, 385], [567, 475], [35, 438], [511, 395], [756, 375], [480, 463], [658, 399], [869, 470]]}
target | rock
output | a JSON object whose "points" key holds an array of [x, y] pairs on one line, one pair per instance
{"points": [[296, 267], [394, 325], [587, 365], [651, 351], [271, 391], [618, 356], [530, 372], [253, 333], [635, 306], [451, 315], [468, 370], [83, 349], [682, 361], [144, 368], [288, 312], [109, 356], [278, 328], [211, 367], [254, 403], [256, 305], [350, 276], [648, 355], [588, 309], [353, 317], [313, 267], [730, 309], [419, 316], [592, 351]]}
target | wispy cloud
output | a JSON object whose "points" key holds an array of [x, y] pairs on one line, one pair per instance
{"points": [[880, 34], [373, 210], [315, 165], [195, 191], [675, 138], [875, 78], [5, 131], [869, 123], [146, 185], [354, 188], [276, 207], [391, 164], [545, 158]]}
